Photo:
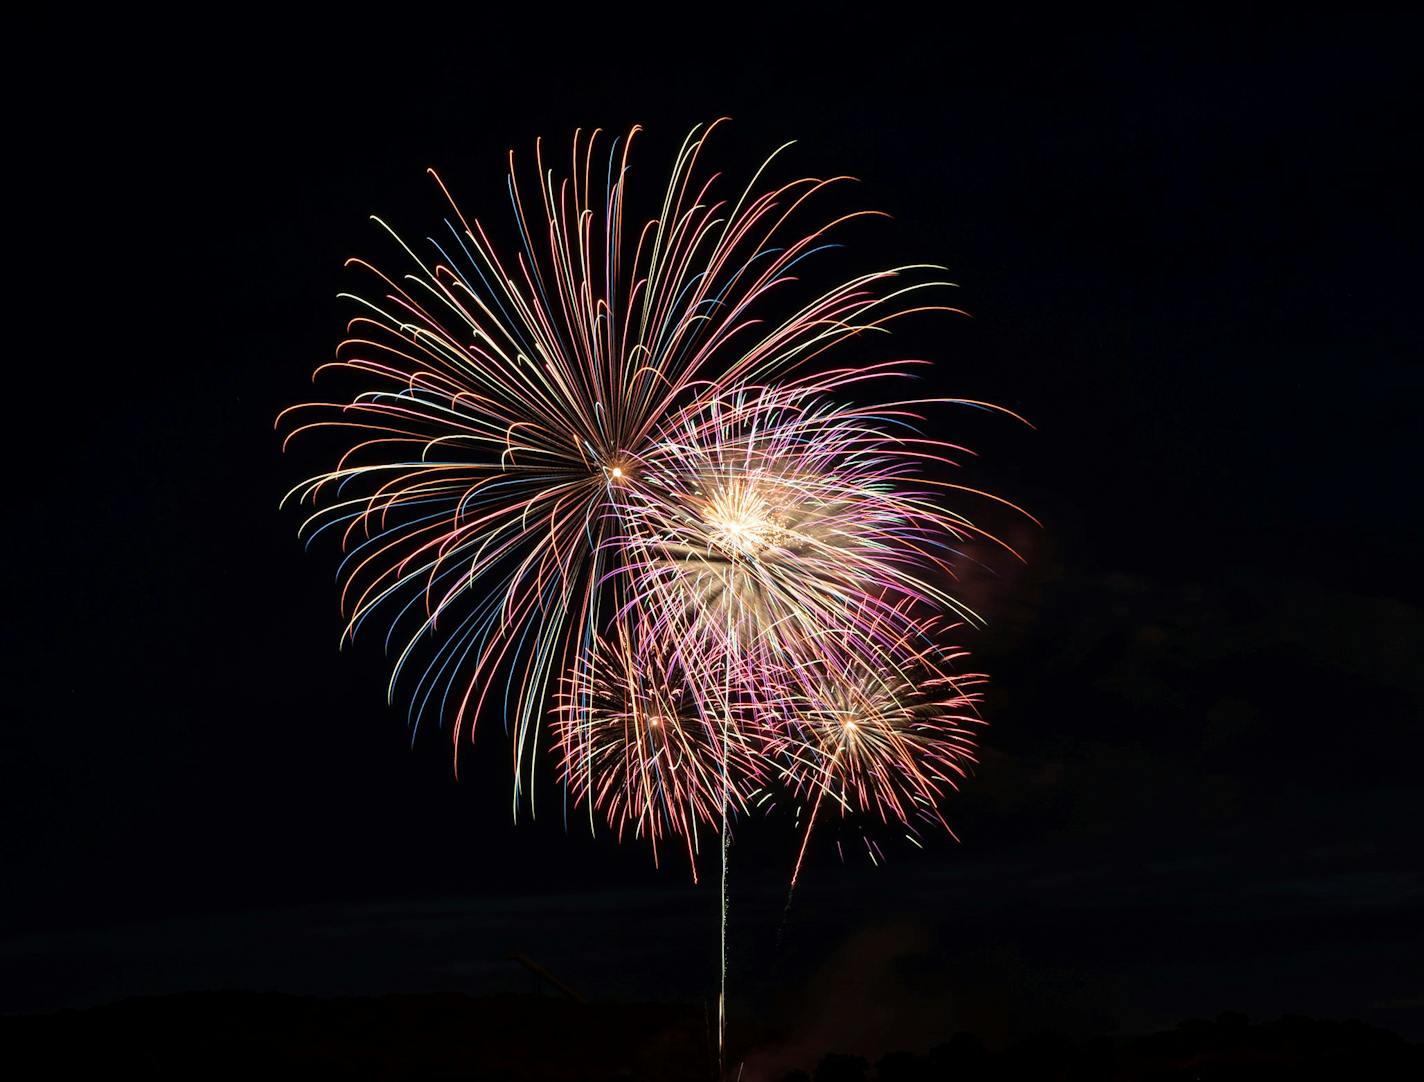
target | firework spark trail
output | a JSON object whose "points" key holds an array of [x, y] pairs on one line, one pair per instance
{"points": [[610, 482]]}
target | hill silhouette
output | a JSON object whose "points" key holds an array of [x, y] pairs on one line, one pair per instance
{"points": [[518, 1038]]}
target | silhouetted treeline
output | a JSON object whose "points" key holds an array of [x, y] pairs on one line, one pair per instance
{"points": [[252, 1036], [1226, 1050], [527, 1038]]}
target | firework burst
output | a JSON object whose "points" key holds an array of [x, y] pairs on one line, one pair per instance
{"points": [[639, 740], [881, 738], [776, 525], [606, 479]]}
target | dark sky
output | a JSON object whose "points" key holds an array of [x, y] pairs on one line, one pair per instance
{"points": [[1190, 251]]}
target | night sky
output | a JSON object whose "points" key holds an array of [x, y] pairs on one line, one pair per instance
{"points": [[1190, 255]]}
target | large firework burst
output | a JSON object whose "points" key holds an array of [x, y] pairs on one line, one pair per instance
{"points": [[607, 479]]}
